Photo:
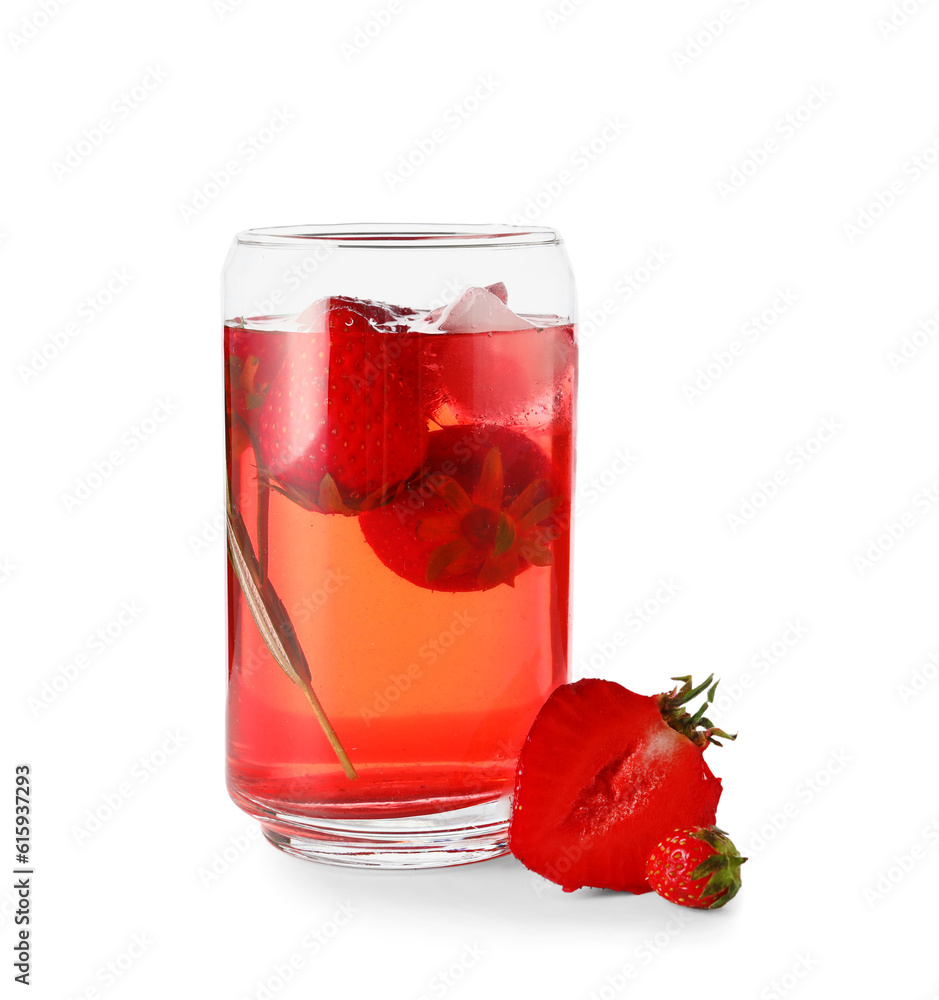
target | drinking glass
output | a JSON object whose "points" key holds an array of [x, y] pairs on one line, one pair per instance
{"points": [[400, 443]]}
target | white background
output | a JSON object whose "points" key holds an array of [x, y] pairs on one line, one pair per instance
{"points": [[830, 788]]}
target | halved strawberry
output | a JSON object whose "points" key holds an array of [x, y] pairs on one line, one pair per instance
{"points": [[604, 775], [483, 510], [341, 425]]}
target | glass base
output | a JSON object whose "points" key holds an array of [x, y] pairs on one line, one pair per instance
{"points": [[435, 840]]}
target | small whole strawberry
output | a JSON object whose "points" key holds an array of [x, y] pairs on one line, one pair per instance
{"points": [[696, 867], [605, 775]]}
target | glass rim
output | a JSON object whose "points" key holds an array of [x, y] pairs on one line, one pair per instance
{"points": [[382, 235]]}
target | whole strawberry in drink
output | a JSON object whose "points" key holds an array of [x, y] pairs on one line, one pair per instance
{"points": [[696, 867], [341, 424], [605, 775], [482, 511]]}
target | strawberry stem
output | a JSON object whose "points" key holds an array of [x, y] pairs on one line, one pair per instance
{"points": [[331, 734], [264, 519], [274, 624], [687, 692], [696, 718], [670, 705]]}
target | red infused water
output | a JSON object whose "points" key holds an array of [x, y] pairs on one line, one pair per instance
{"points": [[400, 493]]}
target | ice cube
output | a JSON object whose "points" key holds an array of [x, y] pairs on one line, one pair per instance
{"points": [[480, 311], [498, 289]]}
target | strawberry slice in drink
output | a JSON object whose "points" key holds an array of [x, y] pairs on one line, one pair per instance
{"points": [[253, 359], [329, 312], [341, 425], [483, 510]]}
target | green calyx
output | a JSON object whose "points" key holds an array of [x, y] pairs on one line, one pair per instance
{"points": [[328, 499], [722, 868], [485, 534], [697, 727]]}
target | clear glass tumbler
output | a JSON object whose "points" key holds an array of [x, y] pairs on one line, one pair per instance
{"points": [[400, 441]]}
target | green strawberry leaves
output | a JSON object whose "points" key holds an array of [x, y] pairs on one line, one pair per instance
{"points": [[476, 533], [722, 869]]}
